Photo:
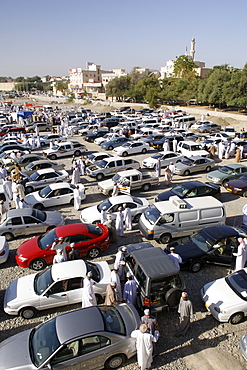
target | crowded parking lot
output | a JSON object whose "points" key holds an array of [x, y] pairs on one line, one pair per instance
{"points": [[205, 331]]}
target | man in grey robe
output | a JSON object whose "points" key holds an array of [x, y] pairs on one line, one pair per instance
{"points": [[185, 310]]}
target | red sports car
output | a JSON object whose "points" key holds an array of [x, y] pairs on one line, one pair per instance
{"points": [[36, 253]]}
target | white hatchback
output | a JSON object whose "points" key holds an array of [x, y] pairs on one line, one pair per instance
{"points": [[58, 285], [131, 148]]}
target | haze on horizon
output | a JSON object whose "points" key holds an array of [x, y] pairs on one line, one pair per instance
{"points": [[49, 37]]}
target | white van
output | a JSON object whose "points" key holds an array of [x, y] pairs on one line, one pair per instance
{"points": [[177, 217], [188, 120]]}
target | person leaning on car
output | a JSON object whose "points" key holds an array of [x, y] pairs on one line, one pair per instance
{"points": [[59, 244]]}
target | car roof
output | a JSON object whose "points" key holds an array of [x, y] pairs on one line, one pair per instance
{"points": [[42, 161], [19, 212], [155, 262], [233, 165], [120, 198], [195, 157], [128, 173], [191, 184], [68, 270], [65, 230], [45, 170], [215, 233], [78, 323]]}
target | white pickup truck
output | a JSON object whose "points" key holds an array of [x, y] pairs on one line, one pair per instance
{"points": [[64, 149], [129, 180]]}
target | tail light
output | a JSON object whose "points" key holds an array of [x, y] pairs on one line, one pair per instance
{"points": [[147, 302]]}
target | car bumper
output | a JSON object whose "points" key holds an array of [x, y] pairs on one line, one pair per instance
{"points": [[243, 346], [22, 261], [5, 253]]}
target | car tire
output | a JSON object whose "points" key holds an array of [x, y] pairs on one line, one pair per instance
{"points": [[71, 202], [245, 194], [31, 131], [93, 253], [144, 151], [99, 299], [53, 156], [165, 238], [77, 153], [115, 362], [29, 189], [8, 236], [47, 129], [125, 154], [225, 181], [39, 206], [186, 173], [195, 266], [99, 176], [208, 168], [110, 148], [236, 318], [172, 297], [37, 264], [146, 187], [27, 312], [137, 218], [42, 144]]}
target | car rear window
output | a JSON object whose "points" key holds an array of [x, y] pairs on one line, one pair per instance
{"points": [[94, 229], [113, 320]]}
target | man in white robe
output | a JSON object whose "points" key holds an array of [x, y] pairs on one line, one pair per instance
{"points": [[119, 262], [120, 222], [75, 176], [240, 255], [116, 279], [88, 296], [60, 244], [77, 198], [129, 291], [175, 257], [221, 150], [166, 146], [81, 166], [103, 215], [127, 217], [144, 346]]}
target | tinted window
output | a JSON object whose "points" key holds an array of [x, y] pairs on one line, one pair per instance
{"points": [[30, 220], [15, 221]]}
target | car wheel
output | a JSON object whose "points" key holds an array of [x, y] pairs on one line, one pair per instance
{"points": [[115, 362], [99, 299], [27, 312], [225, 181], [125, 154], [47, 129], [31, 130], [137, 218], [38, 206], [71, 202], [208, 168], [8, 236], [146, 187], [186, 173], [93, 253], [99, 176], [53, 156], [96, 222], [42, 144], [110, 148], [29, 189], [165, 238], [77, 153], [245, 194], [195, 266], [236, 318], [144, 151], [37, 264], [172, 297]]}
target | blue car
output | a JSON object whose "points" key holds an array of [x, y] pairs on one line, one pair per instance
{"points": [[118, 141]]}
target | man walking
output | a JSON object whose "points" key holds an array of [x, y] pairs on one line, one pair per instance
{"points": [[185, 311], [88, 296], [176, 259]]}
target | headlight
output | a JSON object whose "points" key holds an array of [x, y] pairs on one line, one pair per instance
{"points": [[22, 258], [237, 189]]}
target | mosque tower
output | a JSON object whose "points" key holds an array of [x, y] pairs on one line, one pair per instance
{"points": [[192, 48]]}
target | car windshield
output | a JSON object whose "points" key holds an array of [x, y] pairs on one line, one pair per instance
{"points": [[94, 229], [106, 203], [34, 176], [29, 166], [42, 281], [238, 282], [116, 178], [196, 147], [226, 169], [244, 177], [157, 155], [152, 214], [180, 190], [43, 342], [55, 147], [126, 144], [47, 239], [187, 161], [94, 269], [201, 242], [44, 192], [113, 320], [102, 164]]}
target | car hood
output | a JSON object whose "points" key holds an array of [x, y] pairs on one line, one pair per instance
{"points": [[220, 294], [29, 247], [33, 198], [20, 290], [14, 352], [90, 214], [150, 160], [237, 184], [165, 195], [130, 316], [217, 174], [189, 250], [54, 218], [106, 184]]}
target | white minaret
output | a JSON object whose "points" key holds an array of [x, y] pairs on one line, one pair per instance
{"points": [[192, 48]]}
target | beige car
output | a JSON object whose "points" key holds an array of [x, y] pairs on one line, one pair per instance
{"points": [[40, 165]]}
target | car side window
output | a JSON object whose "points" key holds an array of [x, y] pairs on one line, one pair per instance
{"points": [[167, 218], [58, 287], [15, 221], [111, 164], [79, 238], [30, 220], [141, 277]]}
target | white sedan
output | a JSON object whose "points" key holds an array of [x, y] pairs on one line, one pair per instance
{"points": [[108, 136], [226, 298], [136, 205], [58, 285], [96, 157], [54, 195], [41, 178], [131, 147], [165, 159]]}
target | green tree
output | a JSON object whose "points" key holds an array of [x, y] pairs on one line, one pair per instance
{"points": [[184, 67], [61, 85]]}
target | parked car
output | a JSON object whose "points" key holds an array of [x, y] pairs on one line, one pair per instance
{"points": [[130, 148], [68, 148], [226, 173], [36, 253], [41, 165], [194, 164], [46, 139], [97, 336], [4, 249], [41, 126], [243, 345], [15, 147], [91, 137], [165, 159], [191, 149], [226, 298], [59, 285], [150, 138], [54, 195], [28, 221], [190, 189], [199, 124], [159, 282], [97, 157], [136, 205], [118, 141], [42, 178], [209, 127], [219, 135], [107, 137], [158, 144], [238, 186], [213, 245]]}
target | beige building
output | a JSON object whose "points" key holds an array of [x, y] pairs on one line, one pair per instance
{"points": [[7, 86], [88, 80]]}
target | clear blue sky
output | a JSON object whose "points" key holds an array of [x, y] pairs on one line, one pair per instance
{"points": [[51, 36]]}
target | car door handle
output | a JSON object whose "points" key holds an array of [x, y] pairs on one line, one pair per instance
{"points": [[63, 295]]}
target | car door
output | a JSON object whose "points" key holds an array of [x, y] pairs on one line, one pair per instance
{"points": [[54, 296], [221, 254], [33, 225], [15, 226], [74, 290], [82, 242]]}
